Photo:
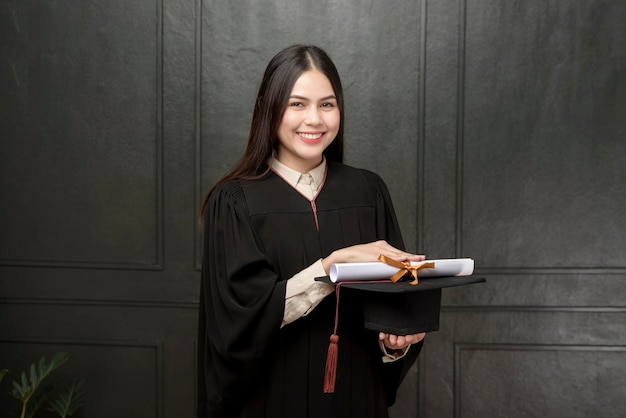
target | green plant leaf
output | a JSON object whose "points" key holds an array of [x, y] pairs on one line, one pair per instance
{"points": [[17, 391], [57, 360], [37, 400], [33, 375], [69, 401], [26, 390], [21, 389]]}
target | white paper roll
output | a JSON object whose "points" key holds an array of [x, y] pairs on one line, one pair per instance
{"points": [[378, 270]]}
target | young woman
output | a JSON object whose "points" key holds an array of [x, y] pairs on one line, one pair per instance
{"points": [[286, 212]]}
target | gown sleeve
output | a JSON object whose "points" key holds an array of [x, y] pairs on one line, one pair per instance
{"points": [[241, 304]]}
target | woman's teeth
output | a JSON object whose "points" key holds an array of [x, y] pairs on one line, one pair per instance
{"points": [[310, 136]]}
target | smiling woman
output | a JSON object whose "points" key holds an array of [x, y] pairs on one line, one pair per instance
{"points": [[281, 217]]}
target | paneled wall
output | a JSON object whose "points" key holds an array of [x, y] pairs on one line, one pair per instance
{"points": [[498, 126]]}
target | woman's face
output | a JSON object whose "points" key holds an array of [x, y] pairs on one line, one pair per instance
{"points": [[310, 122]]}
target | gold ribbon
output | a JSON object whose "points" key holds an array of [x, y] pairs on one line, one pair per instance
{"points": [[405, 267]]}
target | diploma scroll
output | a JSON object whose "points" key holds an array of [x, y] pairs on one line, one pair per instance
{"points": [[378, 270]]}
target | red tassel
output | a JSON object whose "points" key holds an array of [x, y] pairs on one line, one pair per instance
{"points": [[331, 365], [330, 374]]}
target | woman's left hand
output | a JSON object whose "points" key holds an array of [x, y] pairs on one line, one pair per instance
{"points": [[400, 342]]}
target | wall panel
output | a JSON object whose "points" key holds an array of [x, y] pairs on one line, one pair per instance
{"points": [[136, 360], [544, 380], [129, 372], [80, 159], [539, 156], [525, 361]]}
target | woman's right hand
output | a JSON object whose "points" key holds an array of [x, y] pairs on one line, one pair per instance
{"points": [[368, 252]]}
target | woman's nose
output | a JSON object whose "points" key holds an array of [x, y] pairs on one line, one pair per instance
{"points": [[313, 116]]}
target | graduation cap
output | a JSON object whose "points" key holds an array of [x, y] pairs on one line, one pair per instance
{"points": [[399, 305]]}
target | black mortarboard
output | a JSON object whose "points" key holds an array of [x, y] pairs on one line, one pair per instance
{"points": [[399, 308], [403, 308]]}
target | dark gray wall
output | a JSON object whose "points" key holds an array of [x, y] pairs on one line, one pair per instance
{"points": [[499, 127]]}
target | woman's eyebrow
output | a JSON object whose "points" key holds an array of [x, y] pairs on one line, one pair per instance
{"points": [[295, 96]]}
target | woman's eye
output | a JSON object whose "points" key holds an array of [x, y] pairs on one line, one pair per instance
{"points": [[328, 105], [296, 104]]}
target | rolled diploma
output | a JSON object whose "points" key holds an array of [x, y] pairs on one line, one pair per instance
{"points": [[378, 270]]}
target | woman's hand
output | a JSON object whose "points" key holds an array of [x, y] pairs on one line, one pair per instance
{"points": [[400, 342], [368, 252]]}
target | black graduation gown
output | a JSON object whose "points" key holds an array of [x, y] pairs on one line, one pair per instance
{"points": [[258, 234]]}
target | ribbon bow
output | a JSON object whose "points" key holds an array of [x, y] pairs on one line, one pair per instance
{"points": [[405, 267]]}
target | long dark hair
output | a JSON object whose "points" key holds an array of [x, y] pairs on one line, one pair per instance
{"points": [[281, 74]]}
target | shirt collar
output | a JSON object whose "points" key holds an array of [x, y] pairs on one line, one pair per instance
{"points": [[292, 176]]}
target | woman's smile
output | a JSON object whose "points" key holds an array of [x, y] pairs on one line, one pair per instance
{"points": [[310, 137]]}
